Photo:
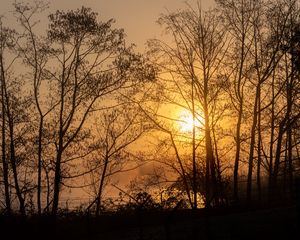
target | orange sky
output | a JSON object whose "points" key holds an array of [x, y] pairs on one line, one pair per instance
{"points": [[137, 17]]}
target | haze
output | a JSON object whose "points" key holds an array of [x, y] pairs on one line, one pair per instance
{"points": [[137, 17]]}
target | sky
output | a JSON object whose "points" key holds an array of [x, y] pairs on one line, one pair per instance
{"points": [[137, 17]]}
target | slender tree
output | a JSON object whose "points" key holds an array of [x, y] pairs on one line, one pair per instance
{"points": [[94, 63], [4, 41], [192, 60], [35, 55], [237, 16]]}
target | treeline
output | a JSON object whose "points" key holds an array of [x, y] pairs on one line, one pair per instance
{"points": [[75, 100]]}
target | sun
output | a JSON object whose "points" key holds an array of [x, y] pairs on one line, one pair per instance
{"points": [[186, 122]]}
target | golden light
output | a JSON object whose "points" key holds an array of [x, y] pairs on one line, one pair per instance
{"points": [[186, 122]]}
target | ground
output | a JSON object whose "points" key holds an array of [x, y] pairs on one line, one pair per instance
{"points": [[281, 222]]}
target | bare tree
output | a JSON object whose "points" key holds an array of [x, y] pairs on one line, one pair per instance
{"points": [[116, 132], [289, 105], [35, 53], [192, 60], [5, 39], [15, 117], [94, 63], [237, 16]]}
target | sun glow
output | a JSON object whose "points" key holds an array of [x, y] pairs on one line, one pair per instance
{"points": [[186, 122]]}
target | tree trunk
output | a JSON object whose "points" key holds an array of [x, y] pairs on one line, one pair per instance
{"points": [[12, 145], [272, 136], [101, 184], [252, 145], [3, 144], [14, 166], [59, 151], [237, 153], [258, 180], [57, 182], [194, 150], [211, 181], [289, 127], [240, 98], [277, 157], [40, 166]]}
